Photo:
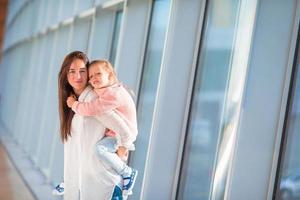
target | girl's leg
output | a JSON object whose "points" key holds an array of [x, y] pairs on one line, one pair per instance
{"points": [[106, 150]]}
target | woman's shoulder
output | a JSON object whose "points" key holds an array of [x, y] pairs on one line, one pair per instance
{"points": [[88, 94]]}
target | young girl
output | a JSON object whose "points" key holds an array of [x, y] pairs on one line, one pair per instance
{"points": [[111, 95]]}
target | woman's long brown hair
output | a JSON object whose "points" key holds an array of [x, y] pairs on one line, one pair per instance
{"points": [[64, 90]]}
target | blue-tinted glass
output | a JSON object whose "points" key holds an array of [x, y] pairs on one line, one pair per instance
{"points": [[116, 34], [208, 103], [289, 182], [81, 31], [148, 86]]}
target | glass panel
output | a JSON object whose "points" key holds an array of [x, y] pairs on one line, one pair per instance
{"points": [[116, 34], [38, 91], [148, 87], [49, 127], [219, 83], [53, 12], [27, 92], [68, 9], [289, 176], [80, 36], [84, 5], [101, 34], [43, 10], [40, 95], [34, 73]]}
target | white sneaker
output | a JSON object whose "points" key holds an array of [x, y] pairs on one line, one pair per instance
{"points": [[126, 193], [129, 182], [59, 190]]}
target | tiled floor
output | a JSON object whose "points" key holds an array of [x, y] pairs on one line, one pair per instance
{"points": [[12, 186]]}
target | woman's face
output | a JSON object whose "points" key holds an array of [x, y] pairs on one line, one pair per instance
{"points": [[77, 76]]}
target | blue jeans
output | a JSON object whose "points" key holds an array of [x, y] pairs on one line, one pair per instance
{"points": [[117, 195], [106, 150]]}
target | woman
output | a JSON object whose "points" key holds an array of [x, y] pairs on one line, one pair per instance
{"points": [[85, 177]]}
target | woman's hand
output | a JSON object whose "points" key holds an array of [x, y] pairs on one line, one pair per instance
{"points": [[122, 153], [70, 101]]}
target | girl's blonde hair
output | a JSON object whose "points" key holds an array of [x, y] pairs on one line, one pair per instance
{"points": [[105, 64], [112, 74]]}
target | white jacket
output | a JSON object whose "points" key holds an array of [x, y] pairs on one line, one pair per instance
{"points": [[85, 176]]}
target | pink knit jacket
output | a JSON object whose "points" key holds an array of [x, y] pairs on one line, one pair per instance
{"points": [[116, 98]]}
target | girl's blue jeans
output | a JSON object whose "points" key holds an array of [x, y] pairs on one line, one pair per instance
{"points": [[106, 150]]}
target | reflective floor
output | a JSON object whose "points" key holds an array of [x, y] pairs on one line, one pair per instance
{"points": [[12, 186]]}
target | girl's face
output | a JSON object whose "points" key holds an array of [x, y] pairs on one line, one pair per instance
{"points": [[77, 76], [99, 77]]}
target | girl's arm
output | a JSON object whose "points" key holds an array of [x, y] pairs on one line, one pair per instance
{"points": [[100, 105]]}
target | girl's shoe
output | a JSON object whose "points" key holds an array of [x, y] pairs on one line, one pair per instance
{"points": [[59, 190], [126, 193], [129, 182]]}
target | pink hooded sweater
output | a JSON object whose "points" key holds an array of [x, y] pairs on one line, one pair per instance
{"points": [[117, 98]]}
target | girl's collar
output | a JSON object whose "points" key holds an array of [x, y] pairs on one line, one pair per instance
{"points": [[116, 84]]}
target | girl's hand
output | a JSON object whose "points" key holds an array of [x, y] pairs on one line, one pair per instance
{"points": [[122, 153], [70, 101], [109, 133]]}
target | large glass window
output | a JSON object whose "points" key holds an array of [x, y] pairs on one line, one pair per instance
{"points": [[84, 5], [53, 12], [80, 36], [148, 85], [68, 9], [288, 186], [217, 94], [49, 127], [101, 34], [115, 38]]}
